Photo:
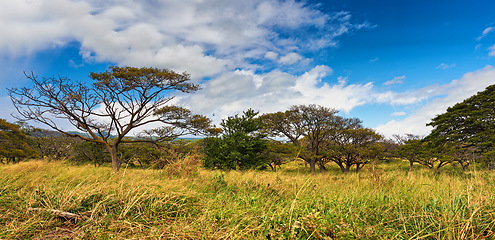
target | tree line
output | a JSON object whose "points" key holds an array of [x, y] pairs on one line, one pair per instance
{"points": [[125, 98]]}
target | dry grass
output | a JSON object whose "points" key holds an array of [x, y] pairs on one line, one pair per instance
{"points": [[188, 202]]}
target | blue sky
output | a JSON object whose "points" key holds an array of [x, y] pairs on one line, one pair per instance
{"points": [[393, 64]]}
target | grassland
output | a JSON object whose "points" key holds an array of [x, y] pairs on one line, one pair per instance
{"points": [[185, 201]]}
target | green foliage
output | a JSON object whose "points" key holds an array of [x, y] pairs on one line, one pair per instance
{"points": [[14, 144], [471, 121], [84, 151], [241, 145]]}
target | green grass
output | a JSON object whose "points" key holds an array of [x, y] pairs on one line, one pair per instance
{"points": [[188, 202]]}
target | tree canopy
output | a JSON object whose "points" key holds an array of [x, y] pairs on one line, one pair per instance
{"points": [[241, 145], [116, 102], [14, 144], [470, 121]]}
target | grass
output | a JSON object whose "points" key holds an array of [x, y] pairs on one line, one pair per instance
{"points": [[188, 202]]}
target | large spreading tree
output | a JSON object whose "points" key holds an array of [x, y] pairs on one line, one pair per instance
{"points": [[470, 123], [306, 126], [117, 101]]}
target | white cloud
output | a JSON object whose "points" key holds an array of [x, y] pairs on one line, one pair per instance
{"points": [[203, 37], [373, 60], [485, 32], [396, 80], [271, 55], [290, 59], [445, 66], [396, 114], [447, 95], [492, 51], [233, 92]]}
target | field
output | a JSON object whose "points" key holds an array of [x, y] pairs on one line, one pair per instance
{"points": [[185, 201]]}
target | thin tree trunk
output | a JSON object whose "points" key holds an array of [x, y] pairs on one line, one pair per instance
{"points": [[115, 159]]}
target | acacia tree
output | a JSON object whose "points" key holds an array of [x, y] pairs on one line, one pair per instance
{"points": [[306, 126], [353, 146], [118, 101]]}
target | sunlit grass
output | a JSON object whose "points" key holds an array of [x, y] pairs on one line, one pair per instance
{"points": [[187, 202]]}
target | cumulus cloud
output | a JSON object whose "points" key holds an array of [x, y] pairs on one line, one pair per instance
{"points": [[396, 80], [203, 37], [236, 91], [446, 95]]}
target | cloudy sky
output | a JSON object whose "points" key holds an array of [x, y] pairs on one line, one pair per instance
{"points": [[394, 64]]}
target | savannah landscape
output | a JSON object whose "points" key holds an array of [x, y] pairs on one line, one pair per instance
{"points": [[306, 173]]}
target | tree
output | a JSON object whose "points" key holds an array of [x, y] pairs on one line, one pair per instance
{"points": [[353, 146], [118, 101], [85, 151], [308, 127], [241, 145], [410, 148], [14, 144], [470, 122]]}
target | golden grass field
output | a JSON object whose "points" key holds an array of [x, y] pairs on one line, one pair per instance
{"points": [[185, 201]]}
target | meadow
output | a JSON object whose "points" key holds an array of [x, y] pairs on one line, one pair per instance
{"points": [[185, 201]]}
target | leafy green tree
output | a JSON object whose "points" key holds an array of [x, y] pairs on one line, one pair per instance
{"points": [[14, 144], [117, 101], [241, 145], [410, 148], [469, 122]]}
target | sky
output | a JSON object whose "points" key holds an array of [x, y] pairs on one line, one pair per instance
{"points": [[394, 64]]}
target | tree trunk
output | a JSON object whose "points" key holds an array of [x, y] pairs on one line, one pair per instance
{"points": [[347, 167], [411, 165], [115, 159], [312, 165]]}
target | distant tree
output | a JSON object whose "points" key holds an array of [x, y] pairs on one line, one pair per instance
{"points": [[118, 101], [52, 145], [353, 146], [469, 122], [85, 151], [279, 153], [309, 127], [143, 154], [14, 144], [410, 148], [241, 145]]}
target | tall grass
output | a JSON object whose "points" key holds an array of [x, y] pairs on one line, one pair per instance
{"points": [[187, 202]]}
